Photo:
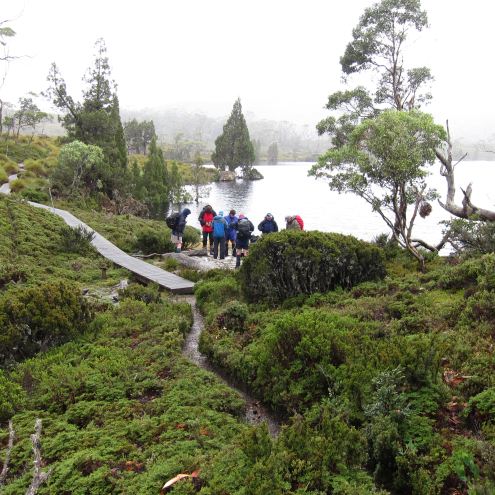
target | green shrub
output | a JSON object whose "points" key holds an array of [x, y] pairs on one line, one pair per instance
{"points": [[154, 241], [35, 195], [146, 293], [289, 263], [234, 316], [217, 292], [17, 185], [11, 273], [3, 175], [191, 237], [12, 397], [36, 318], [35, 167], [482, 406], [471, 237], [76, 239]]}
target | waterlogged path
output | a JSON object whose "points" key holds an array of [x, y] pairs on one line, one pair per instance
{"points": [[255, 411]]}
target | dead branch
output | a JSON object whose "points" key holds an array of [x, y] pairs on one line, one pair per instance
{"points": [[10, 444], [468, 210], [39, 476]]}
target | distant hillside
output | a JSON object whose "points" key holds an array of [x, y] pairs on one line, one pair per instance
{"points": [[198, 132]]}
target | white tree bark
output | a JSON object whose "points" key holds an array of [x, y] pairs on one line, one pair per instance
{"points": [[468, 210], [39, 476]]}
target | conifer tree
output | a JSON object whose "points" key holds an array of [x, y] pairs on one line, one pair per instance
{"points": [[233, 148], [155, 182], [95, 120]]}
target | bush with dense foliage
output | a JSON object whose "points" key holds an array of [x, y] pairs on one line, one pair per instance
{"points": [[36, 318], [76, 239], [289, 263]]}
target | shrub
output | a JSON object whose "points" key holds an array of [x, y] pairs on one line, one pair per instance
{"points": [[11, 273], [35, 195], [190, 238], [146, 293], [76, 240], [482, 406], [289, 263], [17, 185], [3, 176], [471, 237], [154, 241], [217, 292], [234, 316], [36, 318], [36, 167], [11, 397]]}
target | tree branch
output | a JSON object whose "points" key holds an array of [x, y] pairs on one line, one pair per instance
{"points": [[39, 476], [468, 210]]}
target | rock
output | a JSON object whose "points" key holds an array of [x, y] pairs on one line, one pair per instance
{"points": [[226, 175], [253, 174]]}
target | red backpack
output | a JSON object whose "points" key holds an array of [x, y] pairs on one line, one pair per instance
{"points": [[300, 222]]}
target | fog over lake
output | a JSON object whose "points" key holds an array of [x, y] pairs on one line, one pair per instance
{"points": [[287, 190]]}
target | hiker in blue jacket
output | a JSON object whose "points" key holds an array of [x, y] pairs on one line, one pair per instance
{"points": [[268, 224], [178, 230], [220, 228], [231, 220]]}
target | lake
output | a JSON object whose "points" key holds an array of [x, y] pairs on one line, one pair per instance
{"points": [[287, 190]]}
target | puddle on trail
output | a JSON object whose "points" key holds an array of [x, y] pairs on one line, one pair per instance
{"points": [[255, 411]]}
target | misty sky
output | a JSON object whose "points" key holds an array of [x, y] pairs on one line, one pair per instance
{"points": [[280, 56]]}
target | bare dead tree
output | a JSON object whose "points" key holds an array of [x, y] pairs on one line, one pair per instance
{"points": [[468, 210], [10, 444], [39, 476]]}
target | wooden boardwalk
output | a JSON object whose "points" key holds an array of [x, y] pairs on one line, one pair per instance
{"points": [[143, 270]]}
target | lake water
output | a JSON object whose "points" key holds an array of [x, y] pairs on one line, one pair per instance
{"points": [[287, 190]]}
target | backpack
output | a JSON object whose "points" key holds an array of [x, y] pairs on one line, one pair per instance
{"points": [[300, 222], [172, 220], [243, 228]]}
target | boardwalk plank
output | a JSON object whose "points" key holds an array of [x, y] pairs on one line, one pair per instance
{"points": [[149, 272]]}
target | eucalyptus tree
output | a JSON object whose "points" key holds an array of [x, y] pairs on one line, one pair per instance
{"points": [[372, 154], [233, 148], [377, 46], [384, 162], [6, 33], [27, 115]]}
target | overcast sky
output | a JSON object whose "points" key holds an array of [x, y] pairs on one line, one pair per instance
{"points": [[280, 56]]}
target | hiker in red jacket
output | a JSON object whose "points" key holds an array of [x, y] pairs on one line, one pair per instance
{"points": [[206, 220], [294, 222]]}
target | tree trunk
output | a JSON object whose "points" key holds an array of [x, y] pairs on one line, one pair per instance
{"points": [[467, 210]]}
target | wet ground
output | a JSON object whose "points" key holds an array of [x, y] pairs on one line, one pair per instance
{"points": [[256, 412]]}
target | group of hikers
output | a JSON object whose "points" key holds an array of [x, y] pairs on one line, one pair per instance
{"points": [[219, 230]]}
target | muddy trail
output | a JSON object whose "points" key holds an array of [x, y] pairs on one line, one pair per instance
{"points": [[255, 411]]}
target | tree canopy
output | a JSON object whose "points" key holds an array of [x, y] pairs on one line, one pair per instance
{"points": [[233, 148], [384, 162]]}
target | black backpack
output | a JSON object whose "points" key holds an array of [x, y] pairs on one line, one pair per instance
{"points": [[243, 228], [172, 220]]}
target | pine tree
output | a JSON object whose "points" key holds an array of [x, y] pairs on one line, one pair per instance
{"points": [[233, 148], [155, 182], [96, 120]]}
